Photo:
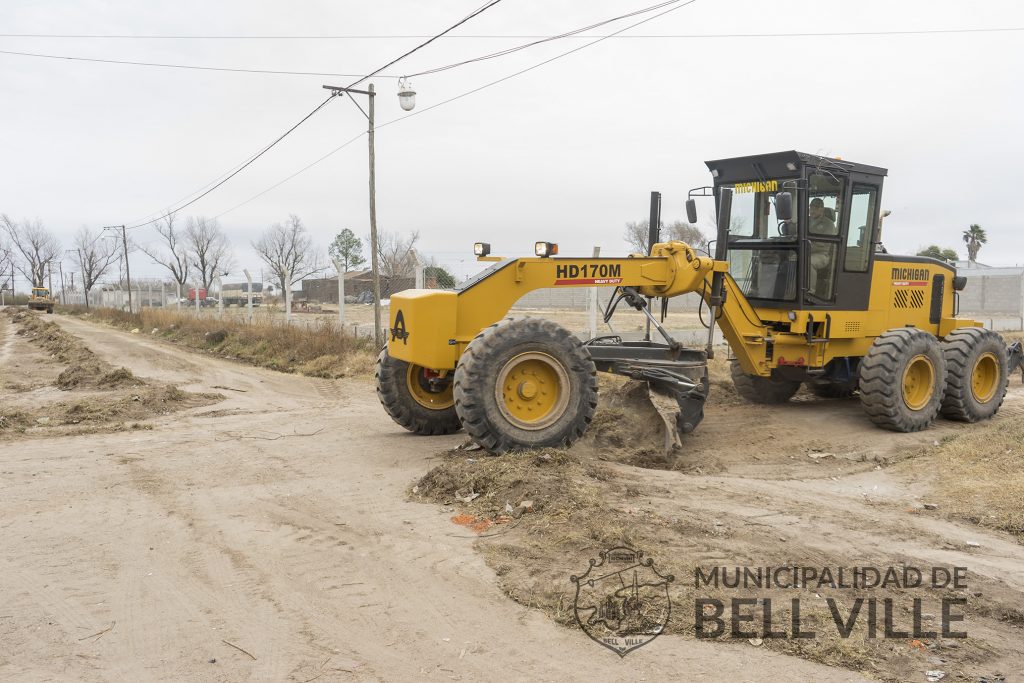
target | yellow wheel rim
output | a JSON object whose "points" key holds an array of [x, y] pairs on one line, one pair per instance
{"points": [[418, 380], [918, 382], [532, 390], [985, 378]]}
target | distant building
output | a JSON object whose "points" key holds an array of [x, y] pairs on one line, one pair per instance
{"points": [[325, 290]]}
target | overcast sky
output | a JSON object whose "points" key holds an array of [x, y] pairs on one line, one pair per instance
{"points": [[567, 152]]}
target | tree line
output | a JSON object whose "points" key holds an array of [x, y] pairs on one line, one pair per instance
{"points": [[195, 249]]}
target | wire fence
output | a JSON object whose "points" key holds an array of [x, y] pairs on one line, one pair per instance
{"points": [[995, 296]]}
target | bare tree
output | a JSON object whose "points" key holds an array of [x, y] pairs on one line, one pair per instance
{"points": [[636, 235], [94, 257], [172, 253], [6, 260], [208, 250], [34, 248], [288, 251], [397, 254]]}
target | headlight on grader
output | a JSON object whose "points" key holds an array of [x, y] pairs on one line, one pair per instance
{"points": [[545, 249], [481, 248]]}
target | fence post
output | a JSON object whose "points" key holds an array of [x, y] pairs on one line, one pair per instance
{"points": [[592, 303], [287, 297], [248, 303], [341, 294], [220, 296], [1021, 299]]}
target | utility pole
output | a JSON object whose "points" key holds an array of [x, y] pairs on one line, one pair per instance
{"points": [[81, 265], [63, 295], [378, 336], [127, 272]]}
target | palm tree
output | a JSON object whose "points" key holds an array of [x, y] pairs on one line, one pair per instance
{"points": [[974, 237]]}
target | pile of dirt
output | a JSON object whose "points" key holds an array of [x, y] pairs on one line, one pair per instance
{"points": [[111, 398], [84, 369], [540, 516]]}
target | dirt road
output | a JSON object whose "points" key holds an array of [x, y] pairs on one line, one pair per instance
{"points": [[268, 537], [271, 532]]}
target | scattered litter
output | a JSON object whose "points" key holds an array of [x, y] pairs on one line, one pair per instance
{"points": [[508, 507], [479, 524], [155, 330], [818, 456], [972, 544], [934, 675], [931, 506], [135, 330], [43, 420], [523, 507], [415, 489], [756, 642], [468, 498]]}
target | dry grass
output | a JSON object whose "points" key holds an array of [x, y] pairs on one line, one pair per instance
{"points": [[318, 350], [980, 476]]}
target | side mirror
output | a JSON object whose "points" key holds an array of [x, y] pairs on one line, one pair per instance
{"points": [[784, 206], [691, 211]]}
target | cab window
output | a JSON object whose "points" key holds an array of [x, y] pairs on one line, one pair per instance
{"points": [[859, 239]]}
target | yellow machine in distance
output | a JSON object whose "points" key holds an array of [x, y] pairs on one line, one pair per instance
{"points": [[40, 300], [799, 283]]}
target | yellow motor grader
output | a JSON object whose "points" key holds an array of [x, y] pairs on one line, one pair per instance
{"points": [[40, 300], [799, 282]]}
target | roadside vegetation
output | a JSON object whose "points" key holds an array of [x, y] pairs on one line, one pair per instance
{"points": [[318, 350]]}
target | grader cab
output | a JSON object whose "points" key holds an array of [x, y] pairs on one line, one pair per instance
{"points": [[799, 283]]}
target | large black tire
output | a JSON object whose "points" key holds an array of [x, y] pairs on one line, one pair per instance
{"points": [[976, 374], [902, 379], [828, 389], [394, 378], [500, 414], [764, 390]]}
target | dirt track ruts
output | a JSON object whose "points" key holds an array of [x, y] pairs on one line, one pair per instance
{"points": [[277, 521]]}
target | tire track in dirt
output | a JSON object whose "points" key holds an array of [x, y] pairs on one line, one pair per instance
{"points": [[254, 542]]}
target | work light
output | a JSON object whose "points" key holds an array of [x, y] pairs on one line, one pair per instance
{"points": [[545, 249], [481, 248]]}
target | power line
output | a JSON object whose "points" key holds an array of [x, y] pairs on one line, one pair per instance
{"points": [[452, 99], [299, 172], [568, 34], [502, 36], [239, 169], [535, 66], [177, 66], [483, 8], [252, 159]]}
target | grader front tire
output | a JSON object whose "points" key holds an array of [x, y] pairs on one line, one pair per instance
{"points": [[411, 400], [902, 379], [763, 390], [976, 374], [525, 383]]}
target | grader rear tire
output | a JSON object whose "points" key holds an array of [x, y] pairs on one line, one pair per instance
{"points": [[902, 379], [763, 390], [976, 374], [525, 383], [410, 399]]}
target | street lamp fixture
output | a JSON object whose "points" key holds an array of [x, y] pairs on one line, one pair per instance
{"points": [[406, 95]]}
